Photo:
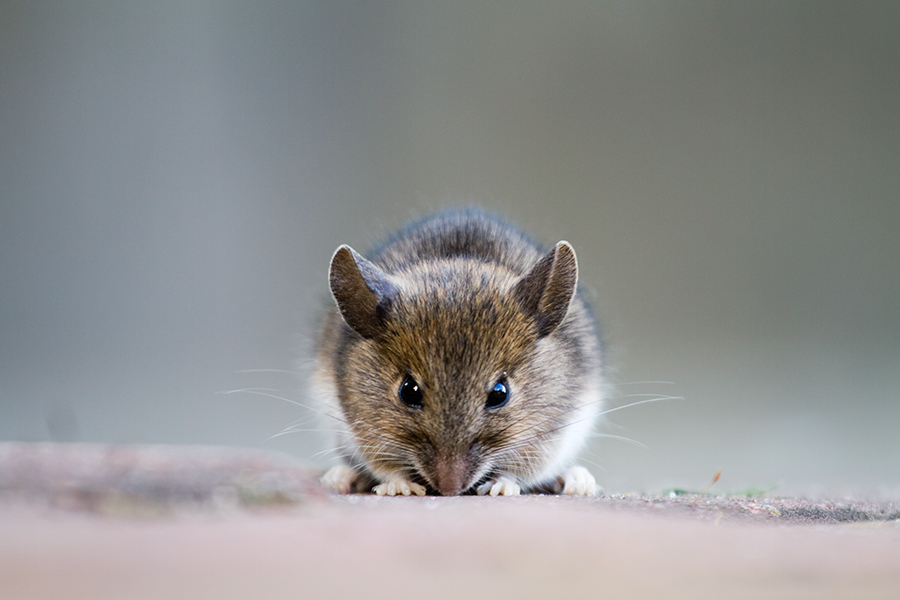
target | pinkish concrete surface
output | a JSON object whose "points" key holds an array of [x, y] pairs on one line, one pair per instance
{"points": [[125, 524]]}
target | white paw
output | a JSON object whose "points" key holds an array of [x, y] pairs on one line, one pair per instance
{"points": [[578, 481], [501, 486], [340, 479], [399, 487]]}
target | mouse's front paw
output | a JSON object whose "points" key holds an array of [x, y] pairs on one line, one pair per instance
{"points": [[501, 486], [577, 481], [340, 479], [399, 487]]}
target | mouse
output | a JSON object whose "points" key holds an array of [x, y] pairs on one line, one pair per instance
{"points": [[459, 357]]}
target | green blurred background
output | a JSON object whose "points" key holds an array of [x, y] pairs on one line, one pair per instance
{"points": [[174, 177]]}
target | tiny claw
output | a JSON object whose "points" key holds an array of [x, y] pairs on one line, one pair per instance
{"points": [[340, 479], [399, 487], [501, 486], [578, 481]]}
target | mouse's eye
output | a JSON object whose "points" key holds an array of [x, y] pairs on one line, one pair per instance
{"points": [[410, 393], [498, 395]]}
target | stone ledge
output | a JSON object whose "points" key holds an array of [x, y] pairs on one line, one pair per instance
{"points": [[147, 480], [104, 522], [150, 480]]}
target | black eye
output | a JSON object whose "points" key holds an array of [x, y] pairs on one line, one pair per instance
{"points": [[410, 393], [498, 395]]}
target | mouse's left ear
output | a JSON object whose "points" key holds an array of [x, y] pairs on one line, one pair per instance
{"points": [[363, 292], [546, 291]]}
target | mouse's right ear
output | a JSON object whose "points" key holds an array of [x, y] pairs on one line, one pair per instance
{"points": [[546, 291], [363, 291]]}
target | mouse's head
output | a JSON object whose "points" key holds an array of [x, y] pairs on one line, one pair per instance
{"points": [[458, 368]]}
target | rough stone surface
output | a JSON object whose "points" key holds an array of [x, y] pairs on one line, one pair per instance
{"points": [[149, 479], [86, 521]]}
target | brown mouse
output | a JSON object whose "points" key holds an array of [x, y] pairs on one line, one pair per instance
{"points": [[459, 357]]}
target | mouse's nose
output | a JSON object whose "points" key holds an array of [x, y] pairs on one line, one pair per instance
{"points": [[450, 474]]}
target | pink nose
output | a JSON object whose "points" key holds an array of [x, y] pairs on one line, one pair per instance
{"points": [[450, 475]]}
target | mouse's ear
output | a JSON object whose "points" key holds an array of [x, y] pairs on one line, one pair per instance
{"points": [[363, 291], [546, 291]]}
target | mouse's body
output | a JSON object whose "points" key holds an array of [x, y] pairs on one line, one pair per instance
{"points": [[459, 357]]}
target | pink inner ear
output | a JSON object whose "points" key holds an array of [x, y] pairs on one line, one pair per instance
{"points": [[362, 291], [546, 291]]}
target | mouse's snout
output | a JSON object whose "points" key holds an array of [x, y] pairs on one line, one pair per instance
{"points": [[450, 474]]}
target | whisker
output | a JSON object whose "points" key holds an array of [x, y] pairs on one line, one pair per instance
{"points": [[655, 399], [591, 462], [290, 430], [620, 438], [643, 395], [265, 393], [324, 453], [543, 435]]}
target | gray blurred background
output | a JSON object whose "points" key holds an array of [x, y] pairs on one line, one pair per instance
{"points": [[174, 177]]}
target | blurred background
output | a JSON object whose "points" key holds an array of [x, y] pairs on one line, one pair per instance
{"points": [[174, 177]]}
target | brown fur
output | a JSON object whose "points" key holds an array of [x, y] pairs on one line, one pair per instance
{"points": [[459, 301]]}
